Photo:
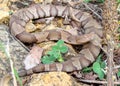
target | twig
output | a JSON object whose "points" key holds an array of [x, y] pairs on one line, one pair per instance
{"points": [[92, 11], [96, 81], [116, 67], [110, 63]]}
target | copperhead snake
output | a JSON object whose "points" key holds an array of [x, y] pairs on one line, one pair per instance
{"points": [[92, 31]]}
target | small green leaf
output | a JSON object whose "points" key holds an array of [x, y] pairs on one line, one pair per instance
{"points": [[50, 52], [10, 12], [47, 59], [87, 1], [55, 48], [87, 69], [60, 43], [99, 58], [118, 1], [118, 9], [119, 45], [118, 73], [101, 74], [63, 49], [17, 77], [100, 1], [57, 54], [118, 29], [97, 69], [103, 65], [60, 59]]}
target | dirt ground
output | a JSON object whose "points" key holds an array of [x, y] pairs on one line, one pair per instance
{"points": [[105, 13]]}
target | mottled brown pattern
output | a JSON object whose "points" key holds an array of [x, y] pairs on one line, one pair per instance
{"points": [[92, 28]]}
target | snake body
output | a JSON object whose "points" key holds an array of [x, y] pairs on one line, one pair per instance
{"points": [[92, 31]]}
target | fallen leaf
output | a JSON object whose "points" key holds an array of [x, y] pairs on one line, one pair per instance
{"points": [[33, 58]]}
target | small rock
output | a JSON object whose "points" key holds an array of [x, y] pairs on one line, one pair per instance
{"points": [[53, 79]]}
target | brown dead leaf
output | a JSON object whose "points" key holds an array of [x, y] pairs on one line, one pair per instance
{"points": [[36, 52], [33, 58]]}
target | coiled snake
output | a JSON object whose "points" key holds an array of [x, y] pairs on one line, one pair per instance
{"points": [[92, 32]]}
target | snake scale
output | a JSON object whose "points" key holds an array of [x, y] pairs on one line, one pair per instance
{"points": [[92, 31]]}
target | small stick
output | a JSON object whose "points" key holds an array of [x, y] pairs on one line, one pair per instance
{"points": [[96, 81], [92, 11]]}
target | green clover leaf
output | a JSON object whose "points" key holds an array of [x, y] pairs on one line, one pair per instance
{"points": [[60, 43], [63, 49], [118, 73], [55, 48], [60, 59], [98, 70], [87, 69], [103, 65], [56, 53], [48, 60]]}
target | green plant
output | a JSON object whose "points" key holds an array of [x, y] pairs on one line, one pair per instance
{"points": [[118, 1], [17, 77], [118, 73], [119, 45], [56, 53], [118, 28], [118, 8], [87, 1], [97, 67]]}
